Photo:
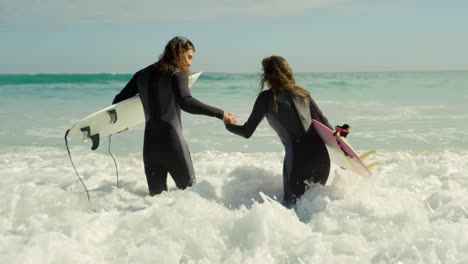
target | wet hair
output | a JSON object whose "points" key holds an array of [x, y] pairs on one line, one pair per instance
{"points": [[278, 74], [171, 59]]}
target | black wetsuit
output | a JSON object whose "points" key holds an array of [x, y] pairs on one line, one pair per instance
{"points": [[165, 150], [306, 160]]}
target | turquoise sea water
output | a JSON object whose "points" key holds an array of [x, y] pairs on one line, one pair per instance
{"points": [[416, 110], [413, 209]]}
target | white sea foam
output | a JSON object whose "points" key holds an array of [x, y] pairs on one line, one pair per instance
{"points": [[412, 210]]}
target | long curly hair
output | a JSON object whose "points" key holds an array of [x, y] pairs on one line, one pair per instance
{"points": [[278, 73], [171, 59]]}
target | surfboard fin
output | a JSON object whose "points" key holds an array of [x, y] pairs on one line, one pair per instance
{"points": [[374, 164], [94, 138], [113, 116], [367, 154]]}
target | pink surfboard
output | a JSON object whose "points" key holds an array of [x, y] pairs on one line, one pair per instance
{"points": [[341, 152]]}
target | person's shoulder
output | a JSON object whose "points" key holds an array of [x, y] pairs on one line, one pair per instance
{"points": [[180, 73], [146, 70], [265, 94]]}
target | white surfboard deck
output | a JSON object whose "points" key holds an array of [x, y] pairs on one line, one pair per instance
{"points": [[113, 119]]}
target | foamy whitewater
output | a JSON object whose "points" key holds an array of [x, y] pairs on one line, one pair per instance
{"points": [[413, 209]]}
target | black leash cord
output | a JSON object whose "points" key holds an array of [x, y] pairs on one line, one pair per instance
{"points": [[73, 164], [115, 162]]}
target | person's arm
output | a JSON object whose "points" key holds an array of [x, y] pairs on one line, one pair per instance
{"points": [[318, 115], [187, 102], [128, 91], [258, 113]]}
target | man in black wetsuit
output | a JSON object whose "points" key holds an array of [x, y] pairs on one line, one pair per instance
{"points": [[164, 90], [289, 110]]}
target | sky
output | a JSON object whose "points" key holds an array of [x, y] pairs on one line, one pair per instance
{"points": [[232, 36]]}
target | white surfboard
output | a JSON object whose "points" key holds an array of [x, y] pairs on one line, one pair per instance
{"points": [[342, 153], [113, 119]]}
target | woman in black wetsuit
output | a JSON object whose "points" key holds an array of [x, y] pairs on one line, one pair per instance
{"points": [[163, 89], [289, 110]]}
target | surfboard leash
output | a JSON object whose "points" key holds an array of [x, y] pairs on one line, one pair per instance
{"points": [[115, 162], [73, 164]]}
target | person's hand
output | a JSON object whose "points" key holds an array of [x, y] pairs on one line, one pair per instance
{"points": [[229, 118], [342, 131]]}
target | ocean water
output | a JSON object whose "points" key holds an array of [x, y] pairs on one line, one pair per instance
{"points": [[413, 209]]}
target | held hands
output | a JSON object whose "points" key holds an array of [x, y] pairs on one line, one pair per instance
{"points": [[229, 118]]}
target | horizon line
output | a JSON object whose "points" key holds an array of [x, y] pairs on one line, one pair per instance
{"points": [[215, 72]]}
